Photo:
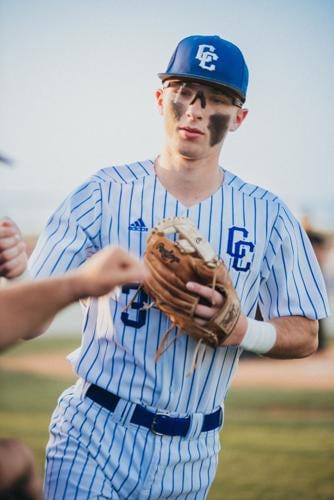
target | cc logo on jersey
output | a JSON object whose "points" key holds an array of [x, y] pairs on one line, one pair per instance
{"points": [[239, 248]]}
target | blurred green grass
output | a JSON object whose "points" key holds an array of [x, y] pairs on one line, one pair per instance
{"points": [[27, 400], [276, 444]]}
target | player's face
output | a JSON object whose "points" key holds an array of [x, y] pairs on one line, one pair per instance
{"points": [[198, 117]]}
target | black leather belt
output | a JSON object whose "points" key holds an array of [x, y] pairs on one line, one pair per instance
{"points": [[159, 423]]}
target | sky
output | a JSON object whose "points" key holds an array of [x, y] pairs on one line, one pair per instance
{"points": [[77, 83]]}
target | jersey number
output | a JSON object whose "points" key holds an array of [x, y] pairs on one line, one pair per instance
{"points": [[139, 315]]}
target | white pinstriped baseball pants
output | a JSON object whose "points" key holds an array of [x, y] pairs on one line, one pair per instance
{"points": [[95, 454]]}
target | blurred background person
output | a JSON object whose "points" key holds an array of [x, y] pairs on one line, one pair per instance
{"points": [[322, 243]]}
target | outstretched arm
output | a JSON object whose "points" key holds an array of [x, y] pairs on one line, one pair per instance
{"points": [[26, 309]]}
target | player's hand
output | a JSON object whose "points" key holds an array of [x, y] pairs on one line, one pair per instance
{"points": [[214, 301], [108, 268], [13, 255]]}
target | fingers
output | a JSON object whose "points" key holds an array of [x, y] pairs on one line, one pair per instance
{"points": [[206, 292], [8, 227], [11, 252], [109, 268], [13, 257], [129, 272], [9, 234], [127, 267], [204, 313], [200, 322], [8, 241], [14, 267]]}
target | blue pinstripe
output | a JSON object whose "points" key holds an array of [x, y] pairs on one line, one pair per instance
{"points": [[123, 458]]}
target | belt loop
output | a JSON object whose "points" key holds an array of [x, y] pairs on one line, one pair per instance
{"points": [[123, 411], [196, 422], [80, 388]]}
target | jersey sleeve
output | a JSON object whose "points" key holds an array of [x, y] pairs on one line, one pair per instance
{"points": [[72, 234], [291, 280]]}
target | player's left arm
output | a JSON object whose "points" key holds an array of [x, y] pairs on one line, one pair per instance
{"points": [[295, 336], [292, 296]]}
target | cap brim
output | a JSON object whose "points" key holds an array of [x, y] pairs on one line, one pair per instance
{"points": [[198, 79]]}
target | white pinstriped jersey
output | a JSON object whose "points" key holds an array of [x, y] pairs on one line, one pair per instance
{"points": [[268, 255]]}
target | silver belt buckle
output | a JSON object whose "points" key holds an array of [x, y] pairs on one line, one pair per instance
{"points": [[154, 422]]}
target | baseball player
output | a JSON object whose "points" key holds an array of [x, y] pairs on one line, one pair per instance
{"points": [[130, 427]]}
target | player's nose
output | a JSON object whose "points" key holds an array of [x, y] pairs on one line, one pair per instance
{"points": [[196, 107]]}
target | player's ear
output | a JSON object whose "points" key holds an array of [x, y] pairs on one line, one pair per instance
{"points": [[159, 100], [238, 119]]}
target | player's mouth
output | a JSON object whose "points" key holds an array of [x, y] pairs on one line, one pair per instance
{"points": [[189, 132]]}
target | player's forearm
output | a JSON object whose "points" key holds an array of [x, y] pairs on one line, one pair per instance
{"points": [[297, 337], [286, 337], [26, 309]]}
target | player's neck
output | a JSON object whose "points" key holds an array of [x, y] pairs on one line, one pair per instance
{"points": [[189, 181]]}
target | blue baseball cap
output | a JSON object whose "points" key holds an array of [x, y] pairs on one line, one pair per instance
{"points": [[209, 59]]}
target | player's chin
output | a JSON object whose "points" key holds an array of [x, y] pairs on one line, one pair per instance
{"points": [[191, 151]]}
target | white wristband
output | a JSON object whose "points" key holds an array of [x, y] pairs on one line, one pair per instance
{"points": [[260, 336]]}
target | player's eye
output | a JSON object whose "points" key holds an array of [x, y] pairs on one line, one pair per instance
{"points": [[219, 99], [173, 85], [187, 91]]}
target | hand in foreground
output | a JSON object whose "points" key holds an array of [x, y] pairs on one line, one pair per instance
{"points": [[215, 300], [18, 476], [13, 255], [108, 268]]}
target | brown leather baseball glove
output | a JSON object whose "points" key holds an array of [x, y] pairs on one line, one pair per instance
{"points": [[171, 265]]}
